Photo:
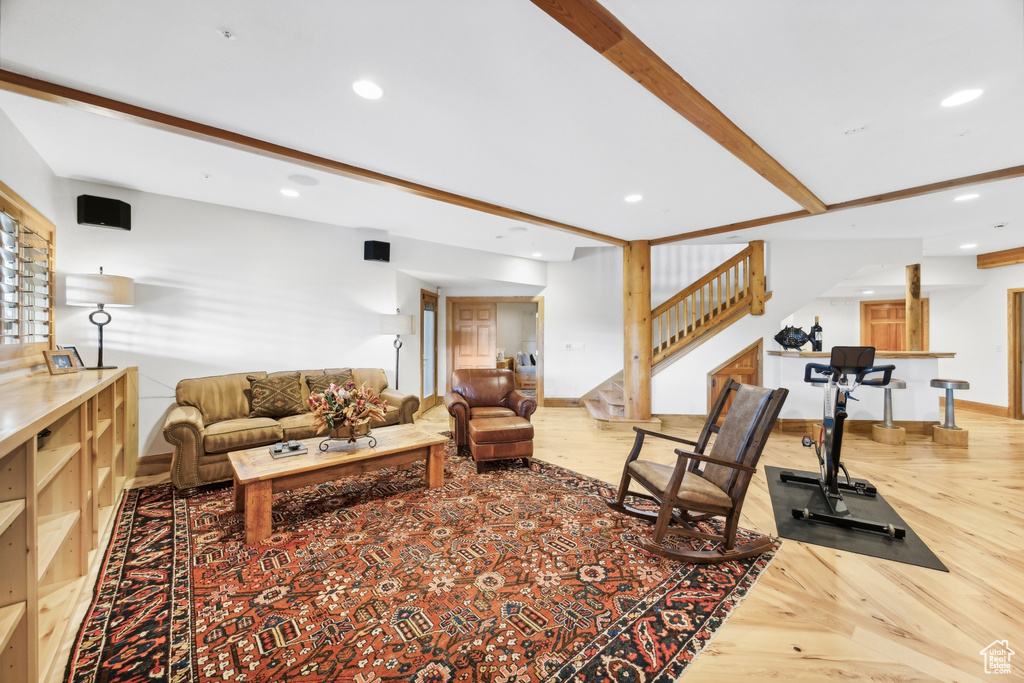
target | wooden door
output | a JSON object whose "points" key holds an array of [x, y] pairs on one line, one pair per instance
{"points": [[883, 324], [744, 367], [476, 330], [428, 351]]}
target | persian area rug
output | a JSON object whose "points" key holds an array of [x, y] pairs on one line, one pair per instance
{"points": [[787, 496], [516, 575]]}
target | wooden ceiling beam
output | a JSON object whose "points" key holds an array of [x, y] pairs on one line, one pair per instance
{"points": [[105, 106], [598, 28], [909, 193]]}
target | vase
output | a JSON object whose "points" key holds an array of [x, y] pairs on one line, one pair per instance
{"points": [[349, 433]]}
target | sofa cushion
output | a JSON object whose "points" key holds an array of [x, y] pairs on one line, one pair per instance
{"points": [[490, 411], [236, 435], [303, 376], [319, 383], [300, 427], [223, 397], [276, 396]]}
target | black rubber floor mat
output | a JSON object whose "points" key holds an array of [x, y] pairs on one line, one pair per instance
{"points": [[787, 496]]}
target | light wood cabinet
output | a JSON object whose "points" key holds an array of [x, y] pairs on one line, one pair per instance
{"points": [[68, 444]]}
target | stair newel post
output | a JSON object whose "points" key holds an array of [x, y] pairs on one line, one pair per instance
{"points": [[757, 282], [637, 328]]}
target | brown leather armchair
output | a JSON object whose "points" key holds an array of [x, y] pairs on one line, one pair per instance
{"points": [[483, 393]]}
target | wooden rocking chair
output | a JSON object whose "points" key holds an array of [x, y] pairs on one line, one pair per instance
{"points": [[702, 486]]}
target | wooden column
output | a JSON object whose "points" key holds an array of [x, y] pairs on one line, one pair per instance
{"points": [[757, 283], [915, 324], [636, 323]]}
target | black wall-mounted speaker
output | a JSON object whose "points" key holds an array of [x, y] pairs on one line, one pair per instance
{"points": [[376, 251], [104, 212]]}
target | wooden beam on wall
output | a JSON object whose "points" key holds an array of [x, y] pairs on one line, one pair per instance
{"points": [[1007, 257], [598, 28], [105, 106], [637, 334]]}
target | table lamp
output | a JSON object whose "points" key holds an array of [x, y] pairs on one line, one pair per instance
{"points": [[100, 290]]}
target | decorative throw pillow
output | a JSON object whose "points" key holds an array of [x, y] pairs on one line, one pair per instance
{"points": [[318, 383], [275, 397]]}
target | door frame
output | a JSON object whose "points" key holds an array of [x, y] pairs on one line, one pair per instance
{"points": [[426, 295], [449, 331], [1014, 300]]}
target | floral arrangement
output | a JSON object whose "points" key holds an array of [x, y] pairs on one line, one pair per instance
{"points": [[346, 406]]}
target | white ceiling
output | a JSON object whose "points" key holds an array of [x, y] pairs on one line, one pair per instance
{"points": [[496, 101]]}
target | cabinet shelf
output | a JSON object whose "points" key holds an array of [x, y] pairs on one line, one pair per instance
{"points": [[50, 462], [102, 474], [64, 495], [10, 617], [9, 511], [52, 531], [57, 605]]}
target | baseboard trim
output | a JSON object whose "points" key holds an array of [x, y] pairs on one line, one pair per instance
{"points": [[149, 465], [561, 402], [973, 407], [859, 427]]}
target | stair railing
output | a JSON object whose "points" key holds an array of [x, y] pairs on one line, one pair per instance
{"points": [[711, 303]]}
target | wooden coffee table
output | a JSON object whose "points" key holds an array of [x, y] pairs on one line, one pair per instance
{"points": [[258, 476]]}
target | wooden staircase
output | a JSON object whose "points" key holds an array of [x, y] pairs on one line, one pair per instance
{"points": [[697, 313], [607, 406]]}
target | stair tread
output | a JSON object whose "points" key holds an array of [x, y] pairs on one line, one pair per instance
{"points": [[605, 420], [612, 397]]}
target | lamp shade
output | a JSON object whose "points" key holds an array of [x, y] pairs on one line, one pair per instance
{"points": [[396, 324], [96, 290]]}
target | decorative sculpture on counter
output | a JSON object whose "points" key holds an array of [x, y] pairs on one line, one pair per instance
{"points": [[792, 337]]}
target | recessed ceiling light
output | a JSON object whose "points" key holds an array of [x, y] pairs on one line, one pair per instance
{"points": [[966, 197], [300, 179], [537, 254], [868, 291], [287, 192], [968, 246], [962, 97], [368, 89], [633, 198]]}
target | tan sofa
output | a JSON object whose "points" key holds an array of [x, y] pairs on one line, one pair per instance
{"points": [[212, 419]]}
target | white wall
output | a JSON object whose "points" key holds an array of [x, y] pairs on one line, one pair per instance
{"points": [[971, 321], [583, 310], [675, 266], [24, 171], [795, 275], [221, 290], [967, 316]]}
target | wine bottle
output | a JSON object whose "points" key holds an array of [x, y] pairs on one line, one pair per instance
{"points": [[815, 335]]}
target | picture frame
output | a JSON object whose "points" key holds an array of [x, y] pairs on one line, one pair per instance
{"points": [[74, 354], [60, 362]]}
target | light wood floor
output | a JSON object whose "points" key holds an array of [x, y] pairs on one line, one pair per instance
{"points": [[819, 614]]}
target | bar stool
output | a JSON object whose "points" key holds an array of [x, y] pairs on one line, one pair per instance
{"points": [[887, 431], [948, 433]]}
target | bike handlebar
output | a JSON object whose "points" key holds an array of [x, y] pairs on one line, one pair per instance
{"points": [[834, 373]]}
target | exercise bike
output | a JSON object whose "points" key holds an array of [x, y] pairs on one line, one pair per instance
{"points": [[848, 369]]}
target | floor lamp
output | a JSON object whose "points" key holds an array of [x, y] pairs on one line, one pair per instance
{"points": [[396, 324], [100, 290]]}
